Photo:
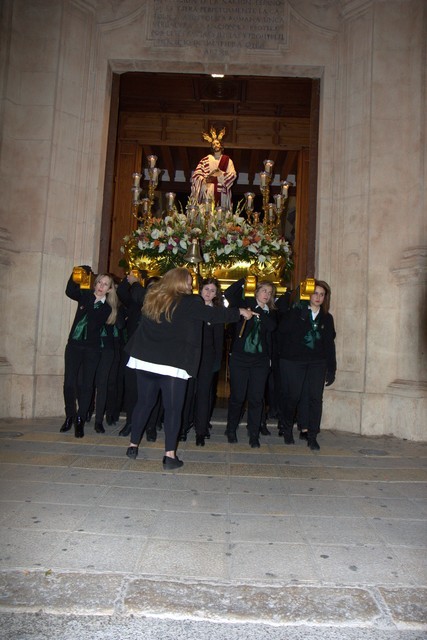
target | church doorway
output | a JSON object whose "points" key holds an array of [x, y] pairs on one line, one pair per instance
{"points": [[164, 114]]}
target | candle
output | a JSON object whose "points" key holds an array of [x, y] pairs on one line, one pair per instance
{"points": [[278, 201], [136, 179], [154, 175], [249, 200], [268, 166], [145, 205], [170, 199], [271, 212], [263, 176], [135, 194], [151, 161], [285, 188]]}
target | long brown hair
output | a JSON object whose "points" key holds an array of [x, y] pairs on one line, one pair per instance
{"points": [[327, 299], [111, 297], [217, 301], [163, 297]]}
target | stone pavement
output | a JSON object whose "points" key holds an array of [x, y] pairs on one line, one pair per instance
{"points": [[279, 538]]}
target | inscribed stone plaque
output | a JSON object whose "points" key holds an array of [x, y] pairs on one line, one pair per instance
{"points": [[220, 25]]}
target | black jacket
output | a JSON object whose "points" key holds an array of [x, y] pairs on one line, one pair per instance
{"points": [[234, 295], [178, 343], [132, 297], [96, 317], [294, 327]]}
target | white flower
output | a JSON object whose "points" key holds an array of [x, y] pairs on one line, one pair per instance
{"points": [[175, 250], [261, 258], [219, 251], [155, 233], [183, 243], [207, 257], [228, 249], [253, 248], [162, 247], [169, 231]]}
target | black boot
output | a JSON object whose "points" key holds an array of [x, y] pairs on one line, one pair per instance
{"points": [[125, 431], [67, 425], [287, 434], [312, 443], [231, 435], [99, 427], [264, 430], [78, 427]]}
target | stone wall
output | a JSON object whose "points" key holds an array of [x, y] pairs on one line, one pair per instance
{"points": [[57, 61]]}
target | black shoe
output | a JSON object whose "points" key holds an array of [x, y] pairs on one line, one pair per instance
{"points": [[171, 463], [313, 444], [254, 443], [78, 427], [67, 425], [125, 431], [132, 453], [303, 435], [200, 441], [231, 437], [280, 429], [289, 439], [151, 437], [99, 427], [183, 437], [264, 431], [109, 419]]}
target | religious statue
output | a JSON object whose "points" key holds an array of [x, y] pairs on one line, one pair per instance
{"points": [[213, 177]]}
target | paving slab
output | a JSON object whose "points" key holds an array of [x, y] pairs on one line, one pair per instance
{"points": [[237, 542]]}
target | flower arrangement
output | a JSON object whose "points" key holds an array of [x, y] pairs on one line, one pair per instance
{"points": [[162, 243]]}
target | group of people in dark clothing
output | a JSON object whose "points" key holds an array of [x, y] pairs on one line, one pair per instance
{"points": [[166, 344]]}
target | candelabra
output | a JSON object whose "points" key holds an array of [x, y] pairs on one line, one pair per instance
{"points": [[274, 214], [147, 202], [266, 177]]}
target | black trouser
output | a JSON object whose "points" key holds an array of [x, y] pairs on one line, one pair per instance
{"points": [[188, 408], [204, 391], [131, 392], [101, 382], [79, 357], [173, 394], [115, 385], [248, 376], [303, 382]]}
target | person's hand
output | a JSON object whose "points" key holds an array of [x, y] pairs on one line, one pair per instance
{"points": [[87, 268], [248, 313], [330, 378]]}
